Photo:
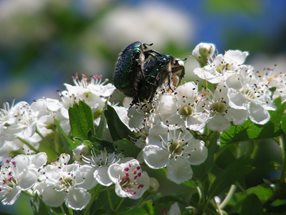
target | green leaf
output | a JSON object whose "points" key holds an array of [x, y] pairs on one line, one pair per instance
{"points": [[232, 173], [126, 147], [117, 128], [283, 124], [251, 205], [81, 121], [262, 192], [251, 131]]}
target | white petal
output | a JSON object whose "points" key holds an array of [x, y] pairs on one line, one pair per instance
{"points": [[258, 114], [77, 199], [85, 172], [145, 181], [236, 100], [121, 193], [102, 177], [199, 152], [155, 156], [22, 162], [11, 196], [52, 197], [114, 172], [53, 104], [167, 105], [38, 160], [218, 123], [179, 171], [236, 116], [28, 179], [234, 81], [235, 56], [188, 89]]}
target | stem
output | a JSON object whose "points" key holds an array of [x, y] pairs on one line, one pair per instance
{"points": [[228, 196], [110, 201], [28, 144], [119, 204], [39, 133], [282, 142]]}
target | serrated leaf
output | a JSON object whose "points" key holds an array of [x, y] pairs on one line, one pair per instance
{"points": [[232, 173], [251, 205], [127, 148], [249, 131], [117, 128], [81, 121]]}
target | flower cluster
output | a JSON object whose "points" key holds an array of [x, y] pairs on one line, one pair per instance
{"points": [[169, 132]]}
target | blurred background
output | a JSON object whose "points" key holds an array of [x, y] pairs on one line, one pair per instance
{"points": [[44, 42]]}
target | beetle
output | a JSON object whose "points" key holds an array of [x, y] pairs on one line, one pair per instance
{"points": [[139, 71], [128, 67], [157, 69]]}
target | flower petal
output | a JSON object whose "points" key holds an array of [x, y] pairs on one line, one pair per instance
{"points": [[236, 100], [27, 179], [11, 196], [155, 156], [218, 123], [258, 114], [114, 172], [77, 199], [199, 152], [101, 176], [179, 171], [52, 197]]}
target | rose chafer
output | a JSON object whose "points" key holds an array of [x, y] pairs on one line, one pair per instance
{"points": [[139, 71]]}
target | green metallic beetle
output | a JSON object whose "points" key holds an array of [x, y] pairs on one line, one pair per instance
{"points": [[157, 69], [129, 68], [139, 71]]}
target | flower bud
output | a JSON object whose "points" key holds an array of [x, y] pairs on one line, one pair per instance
{"points": [[203, 52], [79, 151], [154, 185]]}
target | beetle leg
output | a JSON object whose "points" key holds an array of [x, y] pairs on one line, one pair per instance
{"points": [[170, 74]]}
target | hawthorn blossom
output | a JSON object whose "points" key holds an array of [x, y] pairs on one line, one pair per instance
{"points": [[47, 111], [175, 149], [62, 182], [222, 66], [17, 122], [19, 174], [180, 108], [90, 90], [129, 179], [101, 162], [221, 114], [203, 52], [247, 92]]}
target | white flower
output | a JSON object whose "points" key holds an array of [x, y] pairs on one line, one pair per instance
{"points": [[61, 182], [221, 114], [203, 52], [247, 92], [129, 179], [90, 90], [222, 66], [19, 174], [100, 163], [17, 121], [180, 108], [175, 149], [47, 111]]}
